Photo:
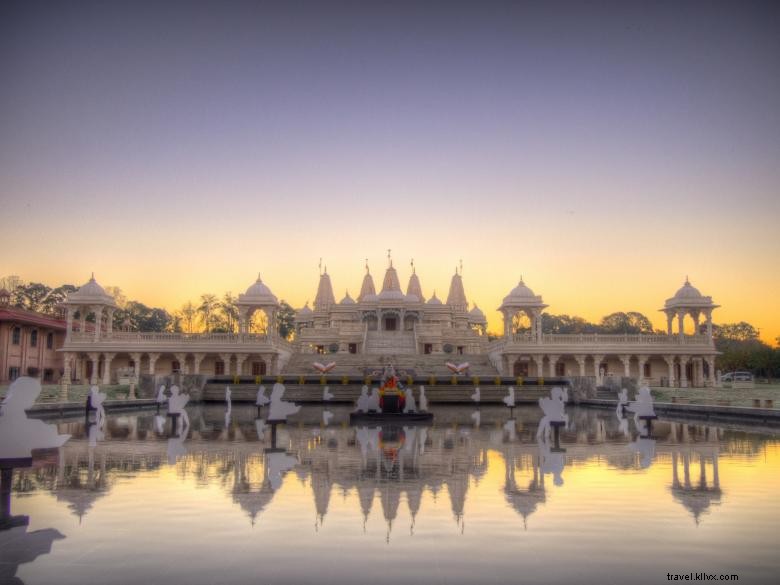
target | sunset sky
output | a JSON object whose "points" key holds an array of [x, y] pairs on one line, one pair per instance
{"points": [[601, 150]]}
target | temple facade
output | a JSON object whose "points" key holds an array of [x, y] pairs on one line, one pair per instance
{"points": [[391, 321], [404, 327]]}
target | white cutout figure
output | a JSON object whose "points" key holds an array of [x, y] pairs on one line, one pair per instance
{"points": [[94, 434], [326, 416], [96, 398], [476, 416], [423, 399], [327, 394], [373, 401], [363, 401], [510, 427], [260, 428], [554, 409], [176, 448], [551, 461], [643, 404], [277, 464], [410, 405], [509, 399], [457, 368], [324, 369], [176, 404], [159, 424], [423, 439], [161, 398], [622, 399], [476, 396], [646, 449], [19, 435], [262, 399], [280, 409], [228, 401]]}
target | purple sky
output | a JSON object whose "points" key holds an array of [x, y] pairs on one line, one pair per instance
{"points": [[635, 122]]}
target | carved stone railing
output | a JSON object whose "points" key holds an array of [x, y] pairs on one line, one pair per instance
{"points": [[611, 339], [152, 338]]}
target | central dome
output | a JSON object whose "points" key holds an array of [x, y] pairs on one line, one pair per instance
{"points": [[520, 293]]}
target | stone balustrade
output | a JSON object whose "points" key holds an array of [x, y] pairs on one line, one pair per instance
{"points": [[611, 339]]}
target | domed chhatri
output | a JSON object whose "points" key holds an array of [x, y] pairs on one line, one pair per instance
{"points": [[90, 299], [523, 300], [91, 293], [688, 301], [257, 297], [259, 292]]}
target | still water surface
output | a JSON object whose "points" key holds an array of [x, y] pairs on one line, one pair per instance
{"points": [[474, 498]]}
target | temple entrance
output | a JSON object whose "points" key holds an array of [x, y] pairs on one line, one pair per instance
{"points": [[391, 324], [258, 368], [520, 369]]}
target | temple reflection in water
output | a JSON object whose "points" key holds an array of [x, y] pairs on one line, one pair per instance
{"points": [[385, 467]]}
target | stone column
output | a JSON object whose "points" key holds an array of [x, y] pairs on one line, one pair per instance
{"points": [[581, 361], [153, 357], [684, 359], [240, 359], [94, 357], [641, 374], [681, 324], [197, 359], [708, 317], [181, 357], [711, 374], [66, 375], [109, 322], [538, 322], [69, 323], [626, 359], [507, 323], [107, 359], [98, 319], [226, 360], [597, 359], [669, 359], [136, 374], [539, 359], [695, 316], [553, 360], [669, 321]]}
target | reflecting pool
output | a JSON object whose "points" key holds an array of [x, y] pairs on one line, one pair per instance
{"points": [[472, 498]]}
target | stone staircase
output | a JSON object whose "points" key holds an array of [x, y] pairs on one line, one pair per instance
{"points": [[390, 342]]}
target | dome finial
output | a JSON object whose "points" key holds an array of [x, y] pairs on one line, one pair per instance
{"points": [[389, 258], [686, 280], [414, 270], [258, 278], [93, 276]]}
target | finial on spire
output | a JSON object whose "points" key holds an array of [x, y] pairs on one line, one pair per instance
{"points": [[521, 279], [414, 270], [461, 266], [326, 269], [93, 276], [319, 266], [258, 278], [686, 280], [367, 271], [389, 258]]}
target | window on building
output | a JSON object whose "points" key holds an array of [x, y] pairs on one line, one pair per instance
{"points": [[460, 350], [353, 348], [648, 370], [428, 348], [258, 368], [50, 341], [16, 335], [48, 375], [320, 349], [560, 369], [34, 338], [520, 369], [219, 368], [175, 367], [13, 373]]}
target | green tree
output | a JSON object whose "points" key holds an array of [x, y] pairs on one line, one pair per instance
{"points": [[229, 311], [631, 322], [30, 296], [207, 308], [285, 320], [55, 298], [11, 282], [741, 331], [188, 314]]}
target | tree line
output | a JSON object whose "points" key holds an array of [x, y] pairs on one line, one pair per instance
{"points": [[210, 314]]}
